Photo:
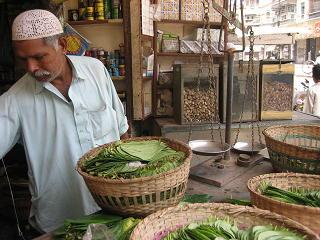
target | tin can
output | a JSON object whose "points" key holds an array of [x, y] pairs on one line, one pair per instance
{"points": [[112, 63], [100, 52], [99, 10], [94, 52], [116, 62], [115, 72], [87, 53], [122, 70], [107, 9], [117, 54], [122, 50], [73, 15], [115, 11], [82, 13], [122, 61], [90, 13]]}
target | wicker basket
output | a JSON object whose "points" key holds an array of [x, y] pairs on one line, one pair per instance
{"points": [[308, 216], [139, 196], [294, 148], [172, 218]]}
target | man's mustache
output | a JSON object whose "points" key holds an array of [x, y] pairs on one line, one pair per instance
{"points": [[41, 73]]}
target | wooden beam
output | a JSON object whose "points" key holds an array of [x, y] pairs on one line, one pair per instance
{"points": [[135, 10]]}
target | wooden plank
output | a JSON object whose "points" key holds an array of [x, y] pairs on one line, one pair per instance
{"points": [[218, 174], [88, 22], [128, 59], [186, 22], [135, 17], [168, 54], [119, 78]]}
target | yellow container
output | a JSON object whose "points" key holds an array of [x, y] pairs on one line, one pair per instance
{"points": [[99, 10], [90, 15]]}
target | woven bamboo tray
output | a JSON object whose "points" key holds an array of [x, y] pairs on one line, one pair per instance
{"points": [[172, 218], [308, 216], [294, 148], [139, 196]]}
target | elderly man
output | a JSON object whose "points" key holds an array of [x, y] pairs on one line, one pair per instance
{"points": [[63, 107]]}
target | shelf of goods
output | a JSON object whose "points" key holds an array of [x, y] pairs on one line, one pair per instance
{"points": [[109, 42], [178, 41]]}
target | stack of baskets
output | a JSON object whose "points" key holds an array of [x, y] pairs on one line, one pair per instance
{"points": [[139, 196], [308, 216], [172, 218], [294, 148]]}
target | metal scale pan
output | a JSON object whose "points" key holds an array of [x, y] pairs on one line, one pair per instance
{"points": [[244, 147], [208, 147]]}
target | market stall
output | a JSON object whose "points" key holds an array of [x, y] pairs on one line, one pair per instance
{"points": [[141, 184]]}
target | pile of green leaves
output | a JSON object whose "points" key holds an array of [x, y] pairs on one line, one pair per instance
{"points": [[74, 229], [293, 195], [220, 229], [134, 159]]}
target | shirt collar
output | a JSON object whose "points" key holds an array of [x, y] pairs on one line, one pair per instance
{"points": [[76, 69], [77, 74]]}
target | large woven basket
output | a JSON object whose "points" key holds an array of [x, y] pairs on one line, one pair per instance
{"points": [[139, 196], [172, 218], [308, 216], [294, 148]]}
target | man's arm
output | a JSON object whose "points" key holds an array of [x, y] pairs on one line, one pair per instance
{"points": [[9, 124]]}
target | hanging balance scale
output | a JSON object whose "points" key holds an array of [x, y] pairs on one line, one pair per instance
{"points": [[208, 147], [251, 81], [228, 12]]}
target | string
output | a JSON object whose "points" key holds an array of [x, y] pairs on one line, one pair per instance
{"points": [[13, 203]]}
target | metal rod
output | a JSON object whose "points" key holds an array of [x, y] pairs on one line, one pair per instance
{"points": [[230, 54]]}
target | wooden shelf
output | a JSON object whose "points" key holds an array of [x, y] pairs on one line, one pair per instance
{"points": [[187, 55], [196, 23], [119, 78], [86, 22]]}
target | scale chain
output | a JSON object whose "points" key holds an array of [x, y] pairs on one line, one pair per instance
{"points": [[252, 80], [200, 69], [249, 74], [212, 78]]}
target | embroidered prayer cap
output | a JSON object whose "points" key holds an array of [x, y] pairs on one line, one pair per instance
{"points": [[35, 24]]}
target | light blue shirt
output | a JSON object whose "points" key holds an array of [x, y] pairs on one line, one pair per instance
{"points": [[56, 133]]}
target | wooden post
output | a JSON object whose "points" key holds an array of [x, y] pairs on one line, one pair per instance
{"points": [[135, 10]]}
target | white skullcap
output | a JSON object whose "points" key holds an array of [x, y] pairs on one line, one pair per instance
{"points": [[35, 24]]}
